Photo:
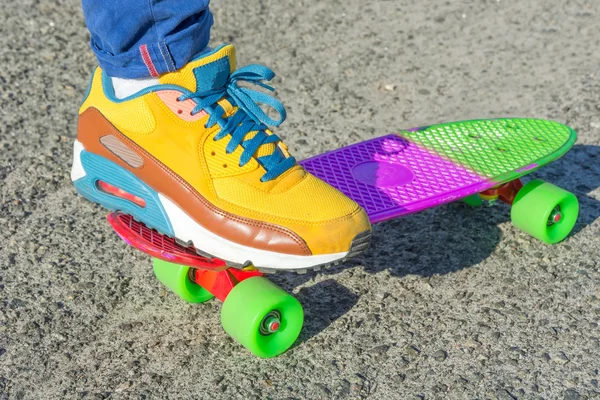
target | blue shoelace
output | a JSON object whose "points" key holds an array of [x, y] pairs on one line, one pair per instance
{"points": [[248, 118]]}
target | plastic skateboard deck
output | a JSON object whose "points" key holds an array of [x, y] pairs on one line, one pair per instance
{"points": [[424, 167], [151, 242], [389, 177]]}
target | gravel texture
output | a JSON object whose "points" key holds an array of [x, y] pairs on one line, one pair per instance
{"points": [[451, 303]]}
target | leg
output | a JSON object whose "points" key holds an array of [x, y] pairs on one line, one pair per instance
{"points": [[146, 38]]}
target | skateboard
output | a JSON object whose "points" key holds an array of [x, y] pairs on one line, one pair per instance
{"points": [[479, 162]]}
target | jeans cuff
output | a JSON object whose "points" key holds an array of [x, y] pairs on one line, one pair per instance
{"points": [[154, 59]]}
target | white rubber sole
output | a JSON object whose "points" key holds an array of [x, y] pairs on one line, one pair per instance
{"points": [[77, 170], [187, 229]]}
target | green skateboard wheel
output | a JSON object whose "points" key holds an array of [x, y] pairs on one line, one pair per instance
{"points": [[175, 277], [545, 211], [473, 201], [262, 317]]}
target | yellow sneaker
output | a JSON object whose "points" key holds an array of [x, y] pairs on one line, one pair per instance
{"points": [[193, 158]]}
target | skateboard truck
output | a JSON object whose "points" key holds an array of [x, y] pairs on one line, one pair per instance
{"points": [[505, 192], [220, 283]]}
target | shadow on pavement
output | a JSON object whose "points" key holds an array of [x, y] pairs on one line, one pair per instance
{"points": [[317, 301]]}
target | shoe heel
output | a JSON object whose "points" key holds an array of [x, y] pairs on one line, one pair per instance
{"points": [[112, 186]]}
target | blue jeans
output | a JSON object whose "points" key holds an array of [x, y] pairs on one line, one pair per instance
{"points": [[144, 38]]}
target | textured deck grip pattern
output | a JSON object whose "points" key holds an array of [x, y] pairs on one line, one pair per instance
{"points": [[424, 167]]}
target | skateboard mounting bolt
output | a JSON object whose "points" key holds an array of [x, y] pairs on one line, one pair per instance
{"points": [[555, 216], [270, 323]]}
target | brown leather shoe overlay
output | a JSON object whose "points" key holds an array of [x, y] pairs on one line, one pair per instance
{"points": [[93, 126]]}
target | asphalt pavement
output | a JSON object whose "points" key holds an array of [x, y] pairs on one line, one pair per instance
{"points": [[450, 303]]}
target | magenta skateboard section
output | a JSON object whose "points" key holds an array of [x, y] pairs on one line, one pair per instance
{"points": [[391, 176]]}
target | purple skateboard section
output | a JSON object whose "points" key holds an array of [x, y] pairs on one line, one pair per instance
{"points": [[391, 176]]}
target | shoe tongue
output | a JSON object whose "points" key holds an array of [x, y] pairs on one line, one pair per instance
{"points": [[208, 71]]}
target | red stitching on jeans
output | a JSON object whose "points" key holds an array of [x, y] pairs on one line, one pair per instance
{"points": [[148, 61]]}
